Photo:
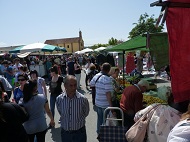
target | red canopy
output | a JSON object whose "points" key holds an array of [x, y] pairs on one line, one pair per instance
{"points": [[178, 26]]}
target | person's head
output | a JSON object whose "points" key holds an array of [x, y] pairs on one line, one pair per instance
{"points": [[144, 84], [21, 69], [76, 61], [54, 70], [25, 68], [88, 60], [92, 67], [114, 72], [9, 63], [69, 59], [30, 89], [106, 67], [34, 74], [16, 60], [5, 63], [22, 79], [70, 85]]}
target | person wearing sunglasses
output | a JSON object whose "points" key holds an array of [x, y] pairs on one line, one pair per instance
{"points": [[18, 92]]}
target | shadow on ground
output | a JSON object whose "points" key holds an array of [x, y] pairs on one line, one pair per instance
{"points": [[56, 134]]}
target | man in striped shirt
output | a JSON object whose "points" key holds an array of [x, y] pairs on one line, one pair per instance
{"points": [[73, 108], [103, 84]]}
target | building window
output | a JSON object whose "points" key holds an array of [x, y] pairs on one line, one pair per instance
{"points": [[67, 46], [81, 44]]}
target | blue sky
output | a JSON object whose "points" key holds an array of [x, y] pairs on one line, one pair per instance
{"points": [[29, 21]]}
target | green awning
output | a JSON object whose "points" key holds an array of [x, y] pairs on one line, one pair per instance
{"points": [[132, 44]]}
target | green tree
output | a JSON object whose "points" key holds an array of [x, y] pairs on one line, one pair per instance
{"points": [[113, 41], [98, 45], [145, 24]]}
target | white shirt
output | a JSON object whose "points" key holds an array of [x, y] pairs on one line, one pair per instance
{"points": [[103, 85], [180, 133]]}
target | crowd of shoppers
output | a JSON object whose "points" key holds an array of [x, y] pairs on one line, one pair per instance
{"points": [[30, 101]]}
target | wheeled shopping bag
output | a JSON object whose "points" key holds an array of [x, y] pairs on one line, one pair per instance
{"points": [[112, 133]]}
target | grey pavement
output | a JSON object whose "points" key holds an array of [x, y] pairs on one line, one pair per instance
{"points": [[54, 134]]}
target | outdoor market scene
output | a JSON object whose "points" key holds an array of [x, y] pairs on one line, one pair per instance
{"points": [[133, 90]]}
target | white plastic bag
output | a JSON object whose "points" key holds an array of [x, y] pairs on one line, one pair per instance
{"points": [[110, 122]]}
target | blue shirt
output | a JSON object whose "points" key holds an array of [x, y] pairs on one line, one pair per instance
{"points": [[9, 75], [35, 109], [103, 85], [18, 94]]}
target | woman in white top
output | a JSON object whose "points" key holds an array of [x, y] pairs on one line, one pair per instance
{"points": [[181, 131], [77, 73], [41, 82], [87, 67]]}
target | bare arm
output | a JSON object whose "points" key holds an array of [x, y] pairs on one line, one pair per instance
{"points": [[52, 123], [108, 95], [45, 89]]}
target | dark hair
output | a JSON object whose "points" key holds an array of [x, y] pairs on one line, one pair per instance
{"points": [[92, 67], [34, 72], [54, 69], [2, 87], [28, 90], [180, 106], [23, 75], [23, 68], [5, 62], [106, 67], [16, 59]]}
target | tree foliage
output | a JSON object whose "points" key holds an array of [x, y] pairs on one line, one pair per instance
{"points": [[145, 24], [98, 45], [112, 41]]}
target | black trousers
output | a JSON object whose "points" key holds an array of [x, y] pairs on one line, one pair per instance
{"points": [[40, 136], [86, 80]]}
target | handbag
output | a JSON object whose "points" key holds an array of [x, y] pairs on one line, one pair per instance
{"points": [[138, 131]]}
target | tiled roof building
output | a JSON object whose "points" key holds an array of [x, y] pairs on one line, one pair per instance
{"points": [[71, 44]]}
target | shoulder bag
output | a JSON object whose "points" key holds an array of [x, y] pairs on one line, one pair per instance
{"points": [[138, 131], [94, 91]]}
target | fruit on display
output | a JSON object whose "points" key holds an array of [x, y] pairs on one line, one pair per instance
{"points": [[148, 99], [123, 82], [151, 100]]}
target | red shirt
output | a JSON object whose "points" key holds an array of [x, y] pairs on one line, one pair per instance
{"points": [[131, 100]]}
